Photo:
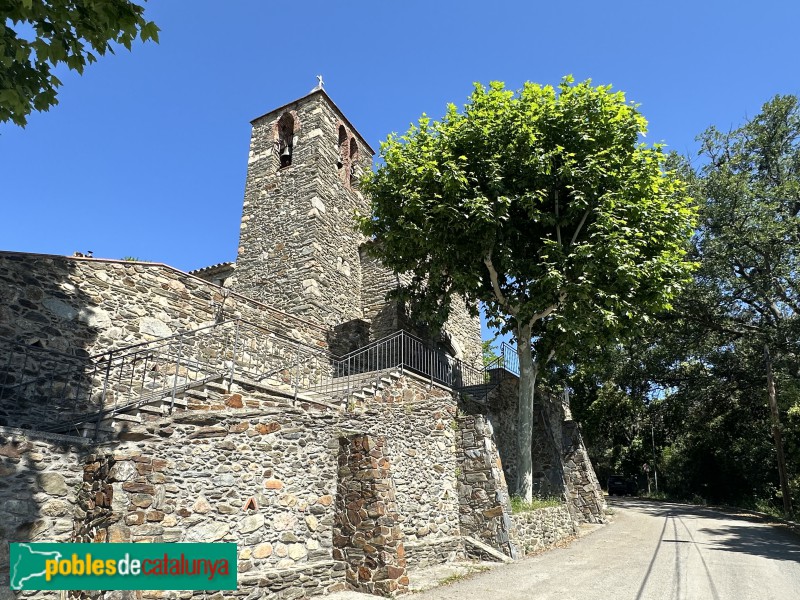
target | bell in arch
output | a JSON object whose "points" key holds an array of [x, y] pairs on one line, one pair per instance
{"points": [[286, 156]]}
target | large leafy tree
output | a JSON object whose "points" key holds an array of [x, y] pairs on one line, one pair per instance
{"points": [[38, 35], [542, 205], [749, 245], [722, 371]]}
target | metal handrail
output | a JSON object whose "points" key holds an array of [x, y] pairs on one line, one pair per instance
{"points": [[510, 358], [136, 374], [405, 352], [95, 386]]}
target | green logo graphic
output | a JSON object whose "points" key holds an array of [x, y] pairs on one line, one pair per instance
{"points": [[123, 566]]}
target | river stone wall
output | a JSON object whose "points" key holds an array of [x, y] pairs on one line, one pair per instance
{"points": [[40, 479], [485, 506], [561, 465], [543, 527]]}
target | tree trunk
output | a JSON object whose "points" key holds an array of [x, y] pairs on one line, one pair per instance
{"points": [[776, 434], [528, 372]]}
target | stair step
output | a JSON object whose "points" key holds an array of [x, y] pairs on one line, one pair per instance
{"points": [[133, 418], [221, 388]]}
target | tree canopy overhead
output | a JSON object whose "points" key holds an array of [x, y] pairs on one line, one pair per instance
{"points": [[727, 359], [541, 204], [69, 32]]}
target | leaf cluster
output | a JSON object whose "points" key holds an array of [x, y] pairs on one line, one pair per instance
{"points": [[542, 205], [69, 32], [749, 239]]}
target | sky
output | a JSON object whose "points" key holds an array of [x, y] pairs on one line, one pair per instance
{"points": [[146, 153]]}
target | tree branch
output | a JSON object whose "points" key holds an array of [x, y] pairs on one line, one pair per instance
{"points": [[549, 310], [580, 226], [487, 260], [558, 224]]}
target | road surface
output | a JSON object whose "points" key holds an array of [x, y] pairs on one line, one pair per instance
{"points": [[652, 551]]}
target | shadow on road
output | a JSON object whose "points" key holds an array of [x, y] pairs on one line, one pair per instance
{"points": [[772, 543], [772, 540]]}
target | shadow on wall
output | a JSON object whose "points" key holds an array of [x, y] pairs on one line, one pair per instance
{"points": [[546, 458], [40, 479], [548, 450], [47, 327]]}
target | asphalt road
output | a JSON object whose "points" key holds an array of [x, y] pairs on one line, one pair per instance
{"points": [[652, 551]]}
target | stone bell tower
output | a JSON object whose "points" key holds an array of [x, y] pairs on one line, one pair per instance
{"points": [[298, 250]]}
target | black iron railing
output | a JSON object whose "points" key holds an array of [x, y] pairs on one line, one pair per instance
{"points": [[53, 391], [49, 390]]}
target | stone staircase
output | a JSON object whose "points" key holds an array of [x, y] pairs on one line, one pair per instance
{"points": [[149, 380], [213, 393]]}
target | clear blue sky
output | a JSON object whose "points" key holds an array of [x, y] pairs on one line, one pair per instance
{"points": [[146, 153]]}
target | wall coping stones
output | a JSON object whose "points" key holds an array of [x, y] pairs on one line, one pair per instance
{"points": [[164, 266]]}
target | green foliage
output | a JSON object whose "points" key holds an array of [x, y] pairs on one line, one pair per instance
{"points": [[541, 205], [518, 505], [549, 189], [488, 355], [64, 32], [698, 374]]}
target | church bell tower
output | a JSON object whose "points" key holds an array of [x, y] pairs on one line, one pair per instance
{"points": [[298, 249]]}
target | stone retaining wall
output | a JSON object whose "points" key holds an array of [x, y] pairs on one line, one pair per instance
{"points": [[485, 506], [561, 465], [543, 527], [40, 479], [83, 306], [434, 552]]}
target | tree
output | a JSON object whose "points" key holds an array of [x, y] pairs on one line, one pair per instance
{"points": [[749, 243], [69, 32], [541, 205]]}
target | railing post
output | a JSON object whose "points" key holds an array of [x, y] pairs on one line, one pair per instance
{"points": [[233, 353], [347, 395], [103, 397], [175, 377], [402, 351], [296, 370], [431, 366]]}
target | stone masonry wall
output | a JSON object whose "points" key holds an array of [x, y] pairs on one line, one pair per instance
{"points": [[485, 506], [367, 535], [585, 493], [81, 307], [260, 473], [298, 248], [40, 479], [543, 527], [561, 465], [95, 512], [84, 306], [377, 280]]}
